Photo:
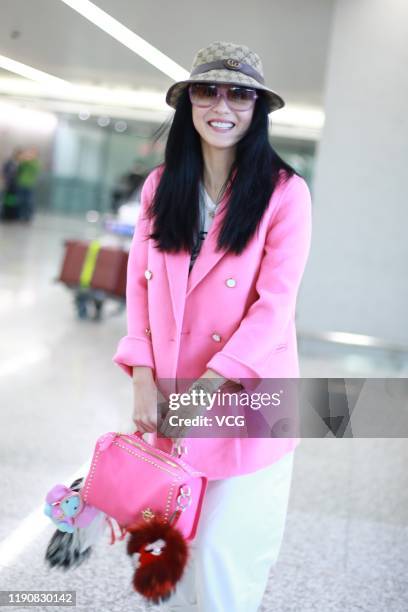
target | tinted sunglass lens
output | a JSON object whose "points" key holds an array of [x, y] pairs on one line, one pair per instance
{"points": [[240, 97], [203, 94]]}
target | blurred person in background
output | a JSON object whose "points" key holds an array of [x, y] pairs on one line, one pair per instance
{"points": [[28, 172], [136, 177], [10, 207], [214, 269], [127, 186]]}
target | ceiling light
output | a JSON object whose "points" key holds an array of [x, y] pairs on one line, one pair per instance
{"points": [[120, 126], [103, 121], [31, 73], [129, 39], [100, 96]]}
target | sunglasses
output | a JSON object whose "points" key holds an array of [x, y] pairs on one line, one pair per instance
{"points": [[207, 95]]}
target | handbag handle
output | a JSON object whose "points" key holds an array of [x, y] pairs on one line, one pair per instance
{"points": [[178, 450]]}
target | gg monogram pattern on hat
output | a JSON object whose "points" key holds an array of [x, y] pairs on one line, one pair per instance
{"points": [[226, 63], [225, 50]]}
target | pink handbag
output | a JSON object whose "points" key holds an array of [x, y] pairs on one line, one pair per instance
{"points": [[129, 480]]}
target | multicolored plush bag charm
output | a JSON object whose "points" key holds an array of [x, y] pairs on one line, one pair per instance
{"points": [[67, 510], [79, 526]]}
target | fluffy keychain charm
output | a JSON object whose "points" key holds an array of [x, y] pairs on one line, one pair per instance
{"points": [[161, 553], [79, 527]]}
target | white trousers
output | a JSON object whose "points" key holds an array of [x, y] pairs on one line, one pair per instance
{"points": [[238, 541]]}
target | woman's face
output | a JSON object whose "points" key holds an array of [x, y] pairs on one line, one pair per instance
{"points": [[219, 126]]}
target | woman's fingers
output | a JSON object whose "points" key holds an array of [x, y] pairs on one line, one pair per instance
{"points": [[139, 425], [142, 425], [145, 425], [148, 409]]}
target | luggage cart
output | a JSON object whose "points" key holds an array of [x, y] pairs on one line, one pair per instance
{"points": [[95, 270], [96, 274]]}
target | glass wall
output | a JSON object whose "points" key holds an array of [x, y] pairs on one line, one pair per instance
{"points": [[89, 160]]}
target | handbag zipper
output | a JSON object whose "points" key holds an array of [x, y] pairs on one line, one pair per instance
{"points": [[149, 452]]}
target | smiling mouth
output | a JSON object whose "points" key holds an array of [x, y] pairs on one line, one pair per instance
{"points": [[221, 125]]}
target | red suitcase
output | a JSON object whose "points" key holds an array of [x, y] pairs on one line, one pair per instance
{"points": [[75, 252], [110, 271]]}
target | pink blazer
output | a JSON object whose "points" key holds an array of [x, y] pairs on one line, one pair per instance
{"points": [[233, 314]]}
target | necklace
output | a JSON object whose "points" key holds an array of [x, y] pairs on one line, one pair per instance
{"points": [[209, 204], [212, 209]]}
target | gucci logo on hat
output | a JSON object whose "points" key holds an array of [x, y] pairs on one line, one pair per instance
{"points": [[232, 64]]}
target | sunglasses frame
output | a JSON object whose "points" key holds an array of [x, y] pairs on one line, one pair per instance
{"points": [[222, 93]]}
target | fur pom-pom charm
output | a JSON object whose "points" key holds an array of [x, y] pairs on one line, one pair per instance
{"points": [[161, 554]]}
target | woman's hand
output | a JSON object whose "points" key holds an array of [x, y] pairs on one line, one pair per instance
{"points": [[210, 381], [146, 398]]}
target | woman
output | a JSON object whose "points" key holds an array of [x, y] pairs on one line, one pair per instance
{"points": [[214, 270]]}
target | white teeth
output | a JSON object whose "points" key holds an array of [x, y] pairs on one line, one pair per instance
{"points": [[222, 124]]}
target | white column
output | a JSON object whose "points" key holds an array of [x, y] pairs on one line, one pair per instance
{"points": [[356, 279]]}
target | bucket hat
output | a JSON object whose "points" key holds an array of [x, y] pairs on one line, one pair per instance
{"points": [[230, 64]]}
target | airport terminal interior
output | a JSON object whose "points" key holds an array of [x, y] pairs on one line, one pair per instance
{"points": [[86, 153]]}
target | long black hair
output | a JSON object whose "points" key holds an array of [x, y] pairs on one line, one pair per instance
{"points": [[175, 206]]}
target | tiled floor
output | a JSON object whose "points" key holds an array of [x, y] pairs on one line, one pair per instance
{"points": [[346, 538]]}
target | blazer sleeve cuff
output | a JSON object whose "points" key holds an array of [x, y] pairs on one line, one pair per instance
{"points": [[133, 351], [231, 368]]}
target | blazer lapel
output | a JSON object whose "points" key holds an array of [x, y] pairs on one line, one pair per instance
{"points": [[177, 275], [208, 257], [182, 283]]}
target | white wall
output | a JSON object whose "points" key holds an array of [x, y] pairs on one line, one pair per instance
{"points": [[356, 279]]}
